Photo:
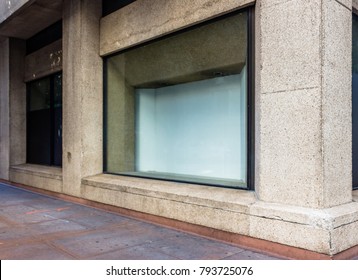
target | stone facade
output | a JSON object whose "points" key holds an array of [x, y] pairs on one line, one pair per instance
{"points": [[303, 194]]}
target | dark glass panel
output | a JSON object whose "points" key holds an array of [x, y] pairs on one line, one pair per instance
{"points": [[39, 123], [110, 6], [57, 157], [355, 101]]}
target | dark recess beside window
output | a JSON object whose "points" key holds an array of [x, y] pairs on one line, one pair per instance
{"points": [[44, 37], [355, 101], [110, 6]]}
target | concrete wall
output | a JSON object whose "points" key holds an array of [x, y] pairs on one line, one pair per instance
{"points": [[82, 89], [8, 7], [4, 109], [44, 62], [303, 117], [145, 20], [305, 103], [17, 102]]}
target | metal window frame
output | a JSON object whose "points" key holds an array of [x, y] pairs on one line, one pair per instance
{"points": [[354, 15]]}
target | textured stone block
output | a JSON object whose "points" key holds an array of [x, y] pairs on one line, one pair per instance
{"points": [[336, 104], [290, 49], [145, 20], [290, 148], [44, 62]]}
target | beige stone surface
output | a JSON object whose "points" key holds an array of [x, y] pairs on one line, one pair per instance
{"points": [[145, 20], [346, 3], [293, 234], [4, 110], [170, 201], [290, 161], [83, 93], [17, 102], [51, 172], [344, 237], [290, 48], [228, 199], [328, 218], [343, 214], [36, 177], [44, 62], [293, 214], [237, 211], [257, 99], [336, 104], [304, 133], [191, 213]]}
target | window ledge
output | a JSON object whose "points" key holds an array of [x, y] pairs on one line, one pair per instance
{"points": [[214, 197], [51, 172]]}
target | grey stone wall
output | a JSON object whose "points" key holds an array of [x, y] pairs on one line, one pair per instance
{"points": [[8, 7]]}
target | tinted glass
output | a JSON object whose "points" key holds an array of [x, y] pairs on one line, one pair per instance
{"points": [[39, 122]]}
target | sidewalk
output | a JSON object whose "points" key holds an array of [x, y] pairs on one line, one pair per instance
{"points": [[34, 226]]}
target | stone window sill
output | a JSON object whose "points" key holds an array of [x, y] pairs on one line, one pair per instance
{"points": [[50, 172], [215, 197]]}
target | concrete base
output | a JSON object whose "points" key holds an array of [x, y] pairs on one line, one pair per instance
{"points": [[324, 231], [44, 177]]}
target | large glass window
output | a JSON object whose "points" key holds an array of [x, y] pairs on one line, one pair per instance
{"points": [[177, 108], [44, 121]]}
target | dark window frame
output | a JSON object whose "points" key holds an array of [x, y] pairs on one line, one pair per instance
{"points": [[354, 112], [250, 99]]}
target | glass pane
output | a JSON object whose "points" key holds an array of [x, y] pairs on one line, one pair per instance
{"points": [[57, 157], [39, 122], [58, 90], [177, 108], [355, 101], [40, 95]]}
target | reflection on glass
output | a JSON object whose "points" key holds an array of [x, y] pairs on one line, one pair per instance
{"points": [[177, 108], [57, 125], [44, 121], [58, 90], [39, 122], [40, 95]]}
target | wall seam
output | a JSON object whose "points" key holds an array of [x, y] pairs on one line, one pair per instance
{"points": [[322, 49], [349, 8]]}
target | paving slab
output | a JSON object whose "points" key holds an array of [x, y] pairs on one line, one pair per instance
{"points": [[35, 226]]}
